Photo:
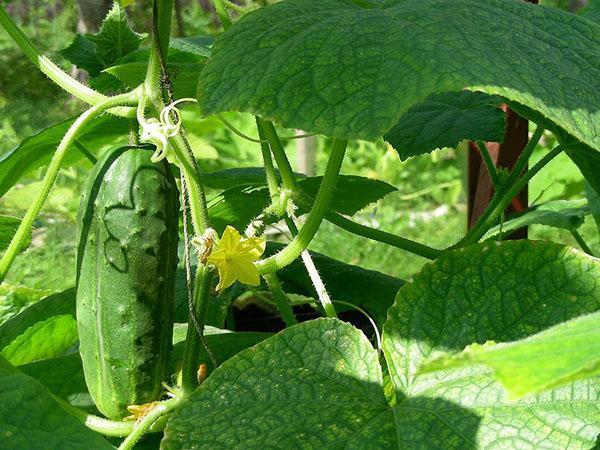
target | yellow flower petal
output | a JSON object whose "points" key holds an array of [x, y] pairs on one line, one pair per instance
{"points": [[234, 258], [246, 272]]}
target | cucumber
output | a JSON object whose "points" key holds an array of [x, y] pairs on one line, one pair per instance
{"points": [[126, 264]]}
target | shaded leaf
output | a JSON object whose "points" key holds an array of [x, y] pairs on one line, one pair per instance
{"points": [[37, 150], [46, 339], [593, 198], [588, 162], [559, 355], [566, 214], [369, 289], [351, 71], [8, 228], [239, 205], [95, 52], [31, 419], [222, 344], [59, 304], [444, 120], [63, 376], [83, 54]]}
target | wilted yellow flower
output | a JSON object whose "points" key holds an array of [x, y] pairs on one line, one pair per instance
{"points": [[234, 257]]}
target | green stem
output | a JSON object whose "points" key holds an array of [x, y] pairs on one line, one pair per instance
{"points": [[294, 249], [144, 425], [194, 184], [382, 236], [289, 181], [512, 179], [272, 181], [195, 331], [504, 198], [288, 178], [52, 71], [51, 174], [181, 148], [98, 424], [485, 154], [222, 14], [581, 242], [313, 274], [281, 300]]}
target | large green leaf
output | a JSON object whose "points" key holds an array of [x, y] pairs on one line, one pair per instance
{"points": [[566, 214], [345, 70], [54, 305], [31, 419], [319, 384], [444, 120], [36, 151], [237, 206], [46, 339], [557, 356], [313, 385], [500, 292]]}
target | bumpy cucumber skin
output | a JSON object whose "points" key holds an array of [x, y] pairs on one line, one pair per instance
{"points": [[126, 265]]}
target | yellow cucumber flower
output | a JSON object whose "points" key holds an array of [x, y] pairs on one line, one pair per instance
{"points": [[234, 257]]}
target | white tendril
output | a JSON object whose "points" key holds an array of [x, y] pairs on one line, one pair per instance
{"points": [[158, 132]]}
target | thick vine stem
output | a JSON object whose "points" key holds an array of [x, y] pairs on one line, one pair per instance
{"points": [[295, 248], [20, 236], [144, 425], [52, 71]]}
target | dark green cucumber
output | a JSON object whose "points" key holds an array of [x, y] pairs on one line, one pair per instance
{"points": [[126, 265]]}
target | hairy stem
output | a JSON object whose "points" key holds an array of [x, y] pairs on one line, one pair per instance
{"points": [[295, 248], [20, 236], [144, 425], [52, 71], [98, 424], [195, 331], [313, 274], [281, 300]]}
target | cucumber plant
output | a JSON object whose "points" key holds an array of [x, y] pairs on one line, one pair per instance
{"points": [[493, 344]]}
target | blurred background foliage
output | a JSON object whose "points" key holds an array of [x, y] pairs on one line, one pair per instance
{"points": [[429, 206]]}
